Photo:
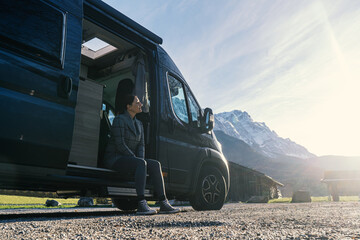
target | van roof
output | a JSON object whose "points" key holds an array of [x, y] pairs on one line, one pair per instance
{"points": [[125, 20]]}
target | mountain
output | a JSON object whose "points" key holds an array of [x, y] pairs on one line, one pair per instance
{"points": [[256, 134]]}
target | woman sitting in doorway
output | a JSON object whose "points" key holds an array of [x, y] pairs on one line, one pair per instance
{"points": [[126, 152]]}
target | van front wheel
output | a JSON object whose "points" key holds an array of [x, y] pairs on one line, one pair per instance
{"points": [[125, 204], [210, 190]]}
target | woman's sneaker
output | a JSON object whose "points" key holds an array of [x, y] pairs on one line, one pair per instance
{"points": [[165, 207], [144, 209]]}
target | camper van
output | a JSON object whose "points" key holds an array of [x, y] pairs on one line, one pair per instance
{"points": [[63, 64]]}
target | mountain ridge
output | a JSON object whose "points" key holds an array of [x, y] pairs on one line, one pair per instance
{"points": [[258, 135]]}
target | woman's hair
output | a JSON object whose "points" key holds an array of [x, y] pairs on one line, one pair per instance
{"points": [[125, 87], [124, 101]]}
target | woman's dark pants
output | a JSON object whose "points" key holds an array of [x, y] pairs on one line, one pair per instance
{"points": [[140, 167]]}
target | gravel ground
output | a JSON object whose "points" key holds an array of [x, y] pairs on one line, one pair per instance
{"points": [[233, 221]]}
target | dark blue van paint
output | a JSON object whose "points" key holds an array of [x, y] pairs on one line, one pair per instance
{"points": [[37, 115]]}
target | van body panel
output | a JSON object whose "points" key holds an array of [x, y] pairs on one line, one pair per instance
{"points": [[166, 61], [38, 88], [73, 7]]}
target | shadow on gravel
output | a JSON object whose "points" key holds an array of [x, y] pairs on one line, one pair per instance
{"points": [[46, 216], [181, 224], [77, 213]]}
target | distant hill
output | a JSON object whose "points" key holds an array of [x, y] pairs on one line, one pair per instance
{"points": [[240, 152], [294, 173]]}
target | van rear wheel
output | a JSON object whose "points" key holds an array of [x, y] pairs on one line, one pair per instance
{"points": [[125, 204], [210, 190]]}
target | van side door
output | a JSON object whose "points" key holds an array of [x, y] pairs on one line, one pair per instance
{"points": [[40, 43]]}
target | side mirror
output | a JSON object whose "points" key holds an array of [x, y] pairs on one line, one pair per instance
{"points": [[207, 123]]}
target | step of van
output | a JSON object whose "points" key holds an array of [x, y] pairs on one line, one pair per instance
{"points": [[79, 170], [117, 185], [112, 188], [117, 191]]}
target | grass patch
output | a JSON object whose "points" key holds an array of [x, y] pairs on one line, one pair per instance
{"points": [[318, 199], [3, 207], [11, 202], [280, 200], [349, 198], [8, 199], [14, 201]]}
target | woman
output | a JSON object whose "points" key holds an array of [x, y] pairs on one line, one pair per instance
{"points": [[126, 152]]}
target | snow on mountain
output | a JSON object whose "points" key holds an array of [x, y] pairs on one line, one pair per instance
{"points": [[240, 125]]}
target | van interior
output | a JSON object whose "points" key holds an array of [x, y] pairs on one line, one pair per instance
{"points": [[106, 61]]}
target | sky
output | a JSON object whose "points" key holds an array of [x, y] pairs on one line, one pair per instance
{"points": [[294, 65]]}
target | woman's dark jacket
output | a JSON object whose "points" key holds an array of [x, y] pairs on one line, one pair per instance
{"points": [[127, 139]]}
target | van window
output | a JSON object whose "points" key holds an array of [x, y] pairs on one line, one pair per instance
{"points": [[194, 109], [110, 114], [178, 98], [42, 37]]}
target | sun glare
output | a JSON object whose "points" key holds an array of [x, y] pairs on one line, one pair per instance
{"points": [[332, 126]]}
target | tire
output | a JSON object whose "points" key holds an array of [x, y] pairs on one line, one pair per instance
{"points": [[125, 204], [210, 191]]}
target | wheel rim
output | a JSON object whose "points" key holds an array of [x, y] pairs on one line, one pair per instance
{"points": [[211, 189]]}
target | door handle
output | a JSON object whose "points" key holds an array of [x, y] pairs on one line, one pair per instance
{"points": [[65, 87]]}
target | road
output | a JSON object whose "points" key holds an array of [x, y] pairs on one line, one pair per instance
{"points": [[326, 220]]}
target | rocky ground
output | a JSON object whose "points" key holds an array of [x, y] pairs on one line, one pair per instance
{"points": [[234, 221]]}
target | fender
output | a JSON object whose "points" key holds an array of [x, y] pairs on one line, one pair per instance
{"points": [[216, 159]]}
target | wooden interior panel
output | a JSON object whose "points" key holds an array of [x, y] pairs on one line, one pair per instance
{"points": [[84, 150]]}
